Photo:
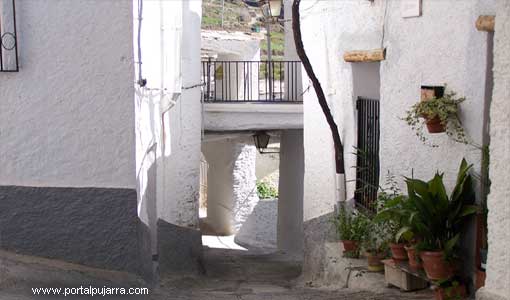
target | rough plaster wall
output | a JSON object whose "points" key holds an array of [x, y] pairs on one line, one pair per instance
{"points": [[332, 27], [231, 189], [168, 116], [324, 43], [359, 22], [259, 229], [459, 62], [67, 118], [161, 61], [244, 183], [96, 227], [252, 116], [497, 285], [181, 169]]}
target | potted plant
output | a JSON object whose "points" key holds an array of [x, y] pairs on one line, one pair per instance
{"points": [[414, 258], [438, 219], [394, 214], [398, 211], [375, 244], [350, 227], [439, 114], [450, 290]]}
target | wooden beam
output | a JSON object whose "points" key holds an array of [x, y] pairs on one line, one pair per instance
{"points": [[486, 23], [365, 55]]}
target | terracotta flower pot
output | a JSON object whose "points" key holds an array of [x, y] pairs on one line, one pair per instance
{"points": [[398, 252], [434, 125], [375, 261], [414, 260], [435, 266], [457, 292], [480, 278], [350, 246]]}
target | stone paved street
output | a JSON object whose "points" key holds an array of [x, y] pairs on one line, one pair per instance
{"points": [[238, 275]]}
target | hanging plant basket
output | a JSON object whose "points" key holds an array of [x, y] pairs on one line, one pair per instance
{"points": [[438, 111]]}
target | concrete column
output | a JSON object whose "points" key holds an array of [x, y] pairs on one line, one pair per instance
{"points": [[231, 186], [219, 185], [290, 202]]}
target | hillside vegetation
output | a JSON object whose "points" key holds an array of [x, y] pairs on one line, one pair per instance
{"points": [[240, 17]]}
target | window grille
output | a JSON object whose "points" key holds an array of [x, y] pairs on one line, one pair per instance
{"points": [[9, 38]]}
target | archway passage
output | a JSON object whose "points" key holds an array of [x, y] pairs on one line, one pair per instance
{"points": [[252, 203]]}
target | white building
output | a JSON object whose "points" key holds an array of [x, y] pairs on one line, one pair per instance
{"points": [[102, 130], [96, 168], [435, 44], [103, 125]]}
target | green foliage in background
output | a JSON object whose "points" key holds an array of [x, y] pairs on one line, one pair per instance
{"points": [[266, 191]]}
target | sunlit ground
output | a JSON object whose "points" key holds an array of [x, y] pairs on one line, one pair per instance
{"points": [[221, 242]]}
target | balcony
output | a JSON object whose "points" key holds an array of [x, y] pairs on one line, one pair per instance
{"points": [[252, 81], [252, 95]]}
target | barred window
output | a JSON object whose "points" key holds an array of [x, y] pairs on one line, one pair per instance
{"points": [[8, 34]]}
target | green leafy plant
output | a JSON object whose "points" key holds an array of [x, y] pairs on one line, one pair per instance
{"points": [[266, 191], [436, 217], [451, 289], [445, 108], [393, 211], [377, 237], [350, 225]]}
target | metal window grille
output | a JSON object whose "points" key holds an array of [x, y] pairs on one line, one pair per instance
{"points": [[252, 81], [9, 38], [367, 165]]}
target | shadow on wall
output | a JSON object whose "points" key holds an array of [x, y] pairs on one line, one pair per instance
{"points": [[259, 230], [317, 233], [165, 247]]}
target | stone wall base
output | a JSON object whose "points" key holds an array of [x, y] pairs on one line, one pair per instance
{"points": [[179, 250], [97, 227]]}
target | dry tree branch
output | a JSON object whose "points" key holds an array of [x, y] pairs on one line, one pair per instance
{"points": [[300, 48]]}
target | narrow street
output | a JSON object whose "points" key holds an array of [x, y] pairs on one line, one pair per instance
{"points": [[233, 274], [230, 274]]}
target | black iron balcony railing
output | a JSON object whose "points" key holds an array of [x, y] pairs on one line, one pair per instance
{"points": [[252, 81]]}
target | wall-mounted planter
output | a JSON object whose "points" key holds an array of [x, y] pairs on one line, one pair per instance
{"points": [[434, 125], [438, 109]]}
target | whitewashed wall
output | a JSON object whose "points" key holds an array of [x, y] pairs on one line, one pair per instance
{"points": [[497, 285], [168, 126], [179, 177], [154, 100], [329, 28], [66, 119], [448, 49]]}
